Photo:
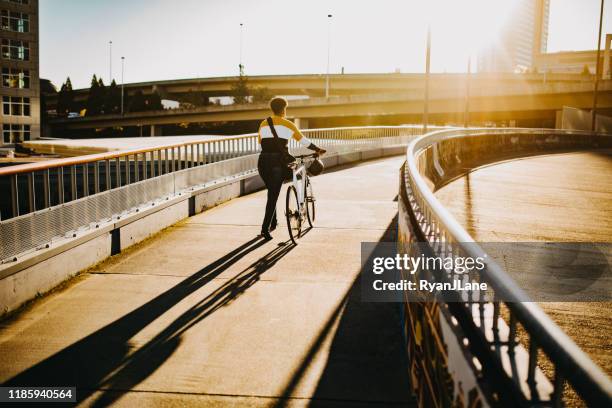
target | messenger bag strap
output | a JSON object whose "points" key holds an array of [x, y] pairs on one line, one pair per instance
{"points": [[271, 124]]}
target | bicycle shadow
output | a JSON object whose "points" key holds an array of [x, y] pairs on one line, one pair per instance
{"points": [[105, 360]]}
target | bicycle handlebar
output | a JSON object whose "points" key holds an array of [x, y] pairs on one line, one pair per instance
{"points": [[305, 156]]}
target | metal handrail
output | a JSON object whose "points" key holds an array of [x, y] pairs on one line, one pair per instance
{"points": [[91, 158], [41, 185], [571, 363]]}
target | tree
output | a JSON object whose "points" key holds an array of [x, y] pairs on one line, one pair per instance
{"points": [[194, 99], [154, 102], [138, 102], [95, 103], [113, 98], [586, 70], [240, 89], [261, 94], [65, 98], [102, 95]]}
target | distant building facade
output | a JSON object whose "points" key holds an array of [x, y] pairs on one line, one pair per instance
{"points": [[524, 36], [577, 61], [20, 88]]}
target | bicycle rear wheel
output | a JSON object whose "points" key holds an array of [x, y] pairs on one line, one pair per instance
{"points": [[309, 202], [292, 213]]}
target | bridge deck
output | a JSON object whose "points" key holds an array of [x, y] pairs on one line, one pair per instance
{"points": [[205, 313], [564, 197]]}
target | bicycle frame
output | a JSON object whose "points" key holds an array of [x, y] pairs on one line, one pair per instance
{"points": [[299, 182]]}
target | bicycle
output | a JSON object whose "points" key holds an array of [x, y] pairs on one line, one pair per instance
{"points": [[300, 201]]}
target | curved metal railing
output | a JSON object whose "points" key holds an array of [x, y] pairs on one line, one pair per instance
{"points": [[48, 201], [33, 186], [440, 156]]}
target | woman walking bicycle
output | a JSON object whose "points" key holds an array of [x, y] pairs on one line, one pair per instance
{"points": [[274, 160]]}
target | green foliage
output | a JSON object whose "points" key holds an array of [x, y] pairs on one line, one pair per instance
{"points": [[102, 95], [95, 100], [194, 99], [586, 70], [113, 99], [65, 98], [154, 102], [138, 102], [240, 89], [243, 94], [261, 94]]}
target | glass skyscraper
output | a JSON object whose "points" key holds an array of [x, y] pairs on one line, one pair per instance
{"points": [[523, 37]]}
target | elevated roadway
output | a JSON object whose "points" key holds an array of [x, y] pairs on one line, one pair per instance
{"points": [[508, 102], [341, 84], [205, 313]]}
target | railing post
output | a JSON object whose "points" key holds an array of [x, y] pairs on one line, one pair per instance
{"points": [[73, 182], [144, 166], [159, 162], [96, 178], [60, 185], [118, 171], [85, 180], [15, 195], [31, 193], [136, 167], [47, 197], [166, 161]]}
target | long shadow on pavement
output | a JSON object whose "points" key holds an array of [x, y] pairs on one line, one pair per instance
{"points": [[366, 365], [104, 359]]}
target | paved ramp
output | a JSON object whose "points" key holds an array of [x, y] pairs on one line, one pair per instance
{"points": [[558, 198], [205, 313]]}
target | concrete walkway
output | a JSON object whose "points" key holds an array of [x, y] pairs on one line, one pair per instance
{"points": [[205, 313], [558, 198]]}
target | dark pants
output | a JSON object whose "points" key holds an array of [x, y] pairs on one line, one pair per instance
{"points": [[273, 172]]}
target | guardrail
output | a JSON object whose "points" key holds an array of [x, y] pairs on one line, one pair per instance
{"points": [[49, 200], [42, 185], [502, 372]]}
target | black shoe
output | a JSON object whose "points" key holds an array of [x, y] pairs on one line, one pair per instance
{"points": [[273, 224], [266, 235]]}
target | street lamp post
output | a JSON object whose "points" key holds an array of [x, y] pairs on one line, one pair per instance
{"points": [[110, 62], [122, 83], [240, 60], [427, 68], [329, 16], [466, 116], [597, 71]]}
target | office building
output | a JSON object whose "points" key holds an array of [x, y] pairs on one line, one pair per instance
{"points": [[20, 89], [523, 37]]}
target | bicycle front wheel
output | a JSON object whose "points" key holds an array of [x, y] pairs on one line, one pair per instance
{"points": [[292, 213], [309, 202]]}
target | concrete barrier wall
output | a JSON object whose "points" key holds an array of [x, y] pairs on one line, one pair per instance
{"points": [[39, 272]]}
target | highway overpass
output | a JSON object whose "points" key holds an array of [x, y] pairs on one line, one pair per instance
{"points": [[341, 84], [518, 102]]}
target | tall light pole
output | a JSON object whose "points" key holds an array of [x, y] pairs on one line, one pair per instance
{"points": [[122, 83], [466, 116], [597, 71], [427, 66], [329, 17], [240, 67], [110, 62]]}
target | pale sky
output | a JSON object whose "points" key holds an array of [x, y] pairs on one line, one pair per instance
{"points": [[171, 39]]}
